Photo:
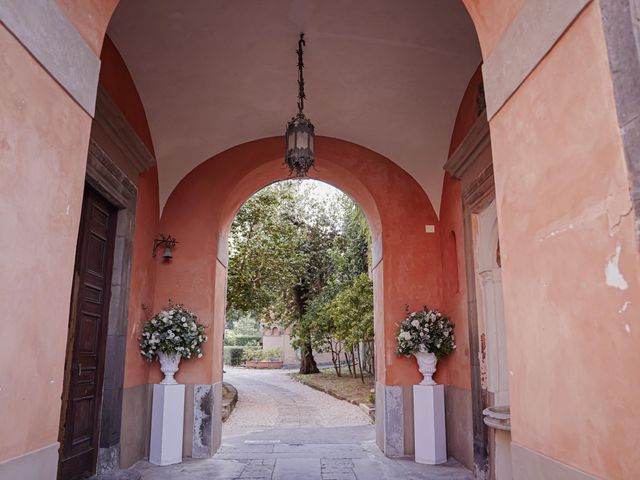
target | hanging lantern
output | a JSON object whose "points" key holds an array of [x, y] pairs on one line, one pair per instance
{"points": [[300, 135]]}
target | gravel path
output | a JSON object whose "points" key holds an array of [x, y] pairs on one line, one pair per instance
{"points": [[270, 398]]}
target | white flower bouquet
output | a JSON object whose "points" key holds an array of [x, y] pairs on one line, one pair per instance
{"points": [[426, 331], [174, 331]]}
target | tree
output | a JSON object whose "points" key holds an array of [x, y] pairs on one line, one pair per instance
{"points": [[264, 259], [342, 314], [352, 314], [280, 258]]}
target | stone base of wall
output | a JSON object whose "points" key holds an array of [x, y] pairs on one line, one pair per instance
{"points": [[202, 422], [390, 421], [394, 422], [41, 464], [136, 424], [458, 411], [530, 465], [207, 420]]}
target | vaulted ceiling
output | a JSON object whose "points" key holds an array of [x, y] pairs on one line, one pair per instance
{"points": [[212, 74]]}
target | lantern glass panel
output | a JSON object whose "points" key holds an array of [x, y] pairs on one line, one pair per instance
{"points": [[303, 139]]}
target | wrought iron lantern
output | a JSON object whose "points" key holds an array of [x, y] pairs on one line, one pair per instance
{"points": [[300, 135]]}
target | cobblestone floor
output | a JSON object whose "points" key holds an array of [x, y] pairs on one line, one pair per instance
{"points": [[283, 430]]}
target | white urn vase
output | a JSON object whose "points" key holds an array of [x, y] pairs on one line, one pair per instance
{"points": [[169, 366], [427, 366]]}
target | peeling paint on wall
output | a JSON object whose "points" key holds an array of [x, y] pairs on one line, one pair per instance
{"points": [[612, 272], [624, 307]]}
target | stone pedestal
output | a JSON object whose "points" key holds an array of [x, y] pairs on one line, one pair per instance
{"points": [[167, 423], [429, 424]]}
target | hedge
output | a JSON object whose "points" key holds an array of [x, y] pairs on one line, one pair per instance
{"points": [[233, 355], [242, 340]]}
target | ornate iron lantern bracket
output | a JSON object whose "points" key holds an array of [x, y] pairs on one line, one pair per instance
{"points": [[299, 154]]}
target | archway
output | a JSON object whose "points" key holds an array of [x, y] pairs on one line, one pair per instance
{"points": [[406, 255]]}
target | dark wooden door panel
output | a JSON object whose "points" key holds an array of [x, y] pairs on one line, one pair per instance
{"points": [[87, 338]]}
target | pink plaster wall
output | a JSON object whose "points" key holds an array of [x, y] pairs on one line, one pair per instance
{"points": [[491, 19], [90, 17], [44, 138], [564, 211], [202, 207], [117, 81], [143, 275], [455, 369]]}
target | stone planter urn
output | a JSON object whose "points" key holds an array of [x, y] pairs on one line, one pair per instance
{"points": [[169, 366], [427, 366]]}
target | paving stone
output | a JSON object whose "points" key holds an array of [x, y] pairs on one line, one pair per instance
{"points": [[297, 469], [256, 449]]}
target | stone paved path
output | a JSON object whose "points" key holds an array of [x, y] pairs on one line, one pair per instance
{"points": [[283, 430], [271, 398]]}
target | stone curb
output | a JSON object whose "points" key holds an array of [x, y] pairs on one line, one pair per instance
{"points": [[229, 404]]}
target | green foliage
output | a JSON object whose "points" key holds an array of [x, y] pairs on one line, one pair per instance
{"points": [[301, 259], [263, 244], [246, 325], [352, 312], [233, 355], [257, 354]]}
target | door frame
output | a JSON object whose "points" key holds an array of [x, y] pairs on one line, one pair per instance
{"points": [[472, 164], [116, 156]]}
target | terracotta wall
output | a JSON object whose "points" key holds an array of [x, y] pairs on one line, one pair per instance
{"points": [[143, 274], [44, 139], [454, 370], [90, 17], [117, 81], [202, 207], [570, 260], [491, 18]]}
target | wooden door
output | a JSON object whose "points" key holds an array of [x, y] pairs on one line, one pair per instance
{"points": [[84, 370]]}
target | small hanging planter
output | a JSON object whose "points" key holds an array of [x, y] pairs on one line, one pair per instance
{"points": [[171, 335]]}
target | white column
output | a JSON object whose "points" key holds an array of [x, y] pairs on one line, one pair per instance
{"points": [[429, 424], [167, 423]]}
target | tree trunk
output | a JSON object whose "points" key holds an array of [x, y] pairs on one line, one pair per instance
{"points": [[353, 362], [333, 358], [360, 363], [346, 357], [307, 362]]}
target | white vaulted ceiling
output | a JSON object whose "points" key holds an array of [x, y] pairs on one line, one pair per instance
{"points": [[386, 74]]}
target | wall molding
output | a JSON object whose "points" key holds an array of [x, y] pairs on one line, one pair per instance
{"points": [[533, 32], [48, 35], [112, 131], [621, 24], [473, 144]]}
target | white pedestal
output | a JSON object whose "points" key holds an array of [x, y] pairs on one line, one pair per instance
{"points": [[167, 423], [429, 424]]}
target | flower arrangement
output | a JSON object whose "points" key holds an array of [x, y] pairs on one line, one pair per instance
{"points": [[174, 331], [426, 331]]}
